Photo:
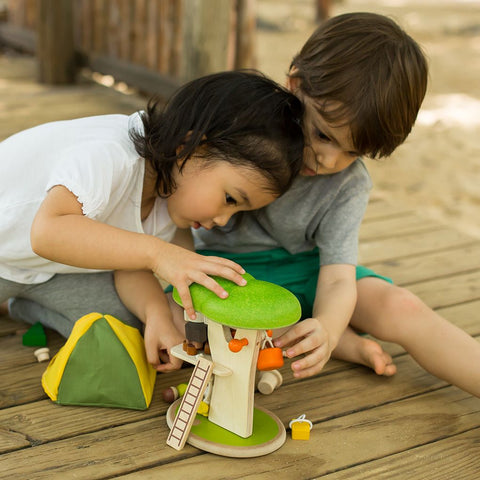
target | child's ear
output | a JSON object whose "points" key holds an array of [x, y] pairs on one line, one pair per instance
{"points": [[293, 83]]}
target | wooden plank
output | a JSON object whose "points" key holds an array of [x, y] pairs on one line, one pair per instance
{"points": [[85, 25], [114, 25], [448, 291], [396, 226], [465, 316], [126, 30], [430, 265], [98, 27], [139, 38], [152, 34], [411, 244], [177, 46], [456, 457], [21, 385], [11, 440], [111, 452], [379, 208], [11, 327], [342, 442], [14, 354]]}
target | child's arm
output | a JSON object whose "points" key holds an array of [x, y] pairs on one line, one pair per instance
{"points": [[142, 294], [316, 337], [60, 232]]}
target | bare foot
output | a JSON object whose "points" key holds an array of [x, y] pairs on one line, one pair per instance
{"points": [[357, 349], [377, 359]]}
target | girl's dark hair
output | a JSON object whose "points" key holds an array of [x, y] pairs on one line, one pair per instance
{"points": [[371, 72], [239, 117]]}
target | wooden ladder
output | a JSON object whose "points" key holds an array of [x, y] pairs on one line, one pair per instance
{"points": [[190, 402]]}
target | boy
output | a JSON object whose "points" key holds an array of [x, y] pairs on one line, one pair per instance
{"points": [[362, 80]]}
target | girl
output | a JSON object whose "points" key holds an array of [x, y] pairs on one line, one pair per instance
{"points": [[110, 193]]}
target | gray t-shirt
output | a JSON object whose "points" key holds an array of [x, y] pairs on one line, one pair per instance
{"points": [[323, 211]]}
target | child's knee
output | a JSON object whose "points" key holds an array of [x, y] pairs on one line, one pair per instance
{"points": [[400, 302]]}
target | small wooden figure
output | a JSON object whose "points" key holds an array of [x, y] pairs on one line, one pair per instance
{"points": [[236, 330], [35, 336], [269, 381], [172, 393], [42, 354]]}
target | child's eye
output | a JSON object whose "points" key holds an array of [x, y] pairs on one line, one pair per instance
{"points": [[319, 134], [230, 200]]}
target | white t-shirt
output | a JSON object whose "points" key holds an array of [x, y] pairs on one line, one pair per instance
{"points": [[96, 160]]}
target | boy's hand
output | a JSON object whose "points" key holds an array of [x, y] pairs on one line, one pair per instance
{"points": [[181, 268], [307, 337], [159, 339]]}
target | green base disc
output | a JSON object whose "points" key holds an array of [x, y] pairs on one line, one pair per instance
{"points": [[268, 435]]}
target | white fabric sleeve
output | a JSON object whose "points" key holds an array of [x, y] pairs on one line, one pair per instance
{"points": [[92, 172]]}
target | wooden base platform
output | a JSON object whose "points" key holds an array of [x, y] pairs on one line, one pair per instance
{"points": [[268, 435]]}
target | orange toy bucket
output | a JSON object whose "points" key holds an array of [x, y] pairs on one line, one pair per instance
{"points": [[270, 359]]}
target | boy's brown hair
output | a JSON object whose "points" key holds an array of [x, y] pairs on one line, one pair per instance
{"points": [[364, 71]]}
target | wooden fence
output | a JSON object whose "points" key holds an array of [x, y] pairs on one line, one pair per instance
{"points": [[154, 45]]}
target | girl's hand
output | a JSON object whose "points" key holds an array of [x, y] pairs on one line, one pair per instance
{"points": [[181, 268], [307, 337], [159, 338]]}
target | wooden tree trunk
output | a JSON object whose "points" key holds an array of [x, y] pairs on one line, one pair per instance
{"points": [[231, 404], [55, 48]]}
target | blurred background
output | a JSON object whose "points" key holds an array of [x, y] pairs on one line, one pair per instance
{"points": [[139, 47]]}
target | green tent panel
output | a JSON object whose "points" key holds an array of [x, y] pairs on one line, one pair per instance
{"points": [[100, 368]]}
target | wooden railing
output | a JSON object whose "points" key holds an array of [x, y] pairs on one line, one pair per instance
{"points": [[154, 45]]}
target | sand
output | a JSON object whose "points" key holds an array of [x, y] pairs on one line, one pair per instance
{"points": [[437, 170]]}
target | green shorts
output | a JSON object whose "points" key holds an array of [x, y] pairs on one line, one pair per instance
{"points": [[297, 273]]}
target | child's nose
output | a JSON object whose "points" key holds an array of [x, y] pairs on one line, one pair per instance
{"points": [[330, 157], [221, 220]]}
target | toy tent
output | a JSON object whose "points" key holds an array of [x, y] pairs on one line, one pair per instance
{"points": [[103, 363]]}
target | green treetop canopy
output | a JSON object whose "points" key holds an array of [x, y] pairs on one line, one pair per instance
{"points": [[258, 305]]}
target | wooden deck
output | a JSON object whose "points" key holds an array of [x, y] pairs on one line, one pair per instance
{"points": [[410, 426]]}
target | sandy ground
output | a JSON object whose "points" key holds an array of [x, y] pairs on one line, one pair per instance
{"points": [[437, 170]]}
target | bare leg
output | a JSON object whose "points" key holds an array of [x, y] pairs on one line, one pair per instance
{"points": [[396, 315], [356, 349]]}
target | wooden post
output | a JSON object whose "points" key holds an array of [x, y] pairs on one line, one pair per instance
{"points": [[245, 38], [323, 8], [55, 48], [205, 37]]}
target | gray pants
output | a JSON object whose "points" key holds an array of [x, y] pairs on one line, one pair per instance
{"points": [[59, 302]]}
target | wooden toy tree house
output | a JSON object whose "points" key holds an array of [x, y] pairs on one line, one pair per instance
{"points": [[236, 330]]}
